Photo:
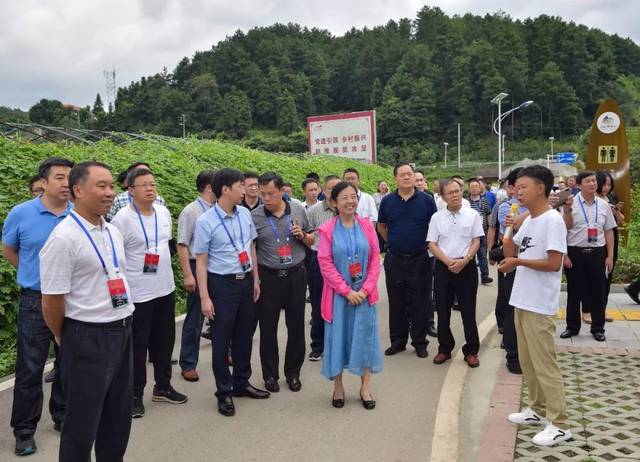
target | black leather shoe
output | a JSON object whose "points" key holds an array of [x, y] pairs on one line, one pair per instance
{"points": [[251, 392], [432, 331], [368, 404], [631, 295], [394, 349], [514, 368], [294, 384], [57, 426], [568, 334], [599, 336], [226, 407], [51, 376], [337, 403], [271, 384], [422, 352]]}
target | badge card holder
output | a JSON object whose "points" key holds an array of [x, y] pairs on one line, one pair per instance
{"points": [[151, 260]]}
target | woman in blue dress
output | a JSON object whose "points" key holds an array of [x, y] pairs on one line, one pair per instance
{"points": [[349, 259]]}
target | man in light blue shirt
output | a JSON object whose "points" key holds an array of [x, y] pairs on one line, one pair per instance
{"points": [[229, 287], [24, 233]]}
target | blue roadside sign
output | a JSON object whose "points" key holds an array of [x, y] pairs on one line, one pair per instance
{"points": [[566, 157]]}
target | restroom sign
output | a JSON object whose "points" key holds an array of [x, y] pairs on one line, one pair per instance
{"points": [[608, 154]]}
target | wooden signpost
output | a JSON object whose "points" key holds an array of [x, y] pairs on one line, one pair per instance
{"points": [[608, 151]]}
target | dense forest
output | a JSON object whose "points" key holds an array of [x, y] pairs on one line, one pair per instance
{"points": [[423, 77]]}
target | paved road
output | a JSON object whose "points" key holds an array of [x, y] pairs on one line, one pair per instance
{"points": [[288, 425]]}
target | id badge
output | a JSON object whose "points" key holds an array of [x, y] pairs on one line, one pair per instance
{"points": [[151, 262], [243, 258], [592, 235], [285, 254], [118, 292], [355, 272]]}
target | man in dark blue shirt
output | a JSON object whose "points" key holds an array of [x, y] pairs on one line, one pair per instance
{"points": [[403, 221]]}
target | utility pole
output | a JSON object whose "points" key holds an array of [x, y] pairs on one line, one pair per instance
{"points": [[110, 76], [445, 153], [183, 123], [459, 164]]}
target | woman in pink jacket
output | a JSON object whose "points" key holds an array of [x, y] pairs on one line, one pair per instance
{"points": [[349, 259]]}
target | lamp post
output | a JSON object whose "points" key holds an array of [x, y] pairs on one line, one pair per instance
{"points": [[445, 153], [498, 121]]}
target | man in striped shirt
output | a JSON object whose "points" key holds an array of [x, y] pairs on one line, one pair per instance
{"points": [[481, 205]]}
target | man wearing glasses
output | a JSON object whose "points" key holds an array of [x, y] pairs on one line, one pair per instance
{"points": [[124, 198]]}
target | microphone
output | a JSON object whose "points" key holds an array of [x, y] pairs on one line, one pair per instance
{"points": [[509, 229]]}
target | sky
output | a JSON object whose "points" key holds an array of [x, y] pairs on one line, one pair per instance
{"points": [[59, 49]]}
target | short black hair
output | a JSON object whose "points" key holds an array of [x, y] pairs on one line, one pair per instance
{"points": [[329, 178], [582, 175], [447, 182], [540, 174], [601, 178], [122, 177], [250, 175], [268, 177], [457, 177], [138, 164], [308, 181], [225, 177], [415, 170], [45, 167], [204, 178], [33, 179], [513, 176], [350, 170], [286, 183], [135, 173], [337, 189], [313, 175], [473, 180], [401, 164], [80, 172]]}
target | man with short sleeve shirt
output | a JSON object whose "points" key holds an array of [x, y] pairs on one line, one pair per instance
{"points": [[590, 225], [24, 233], [283, 235], [229, 286], [403, 223], [124, 198], [146, 231], [317, 215], [192, 325], [366, 205], [535, 253], [87, 305], [454, 239]]}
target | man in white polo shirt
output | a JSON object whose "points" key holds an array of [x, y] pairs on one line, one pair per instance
{"points": [[366, 205], [146, 231], [454, 239], [87, 305]]}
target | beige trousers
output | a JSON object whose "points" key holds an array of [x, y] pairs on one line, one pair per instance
{"points": [[537, 354]]}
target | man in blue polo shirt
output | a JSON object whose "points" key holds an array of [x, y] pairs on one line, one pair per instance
{"points": [[403, 221], [229, 286], [25, 231]]}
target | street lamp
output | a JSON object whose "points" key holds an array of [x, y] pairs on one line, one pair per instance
{"points": [[498, 100], [445, 153]]}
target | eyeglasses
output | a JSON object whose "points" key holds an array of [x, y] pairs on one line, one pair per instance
{"points": [[144, 185]]}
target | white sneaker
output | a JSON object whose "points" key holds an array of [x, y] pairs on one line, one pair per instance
{"points": [[527, 417], [551, 436]]}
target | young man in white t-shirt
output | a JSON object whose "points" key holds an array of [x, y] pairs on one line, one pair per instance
{"points": [[536, 253], [146, 232]]}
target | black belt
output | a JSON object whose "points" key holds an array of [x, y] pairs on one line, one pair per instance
{"points": [[30, 293], [236, 276], [124, 322], [284, 272], [587, 250], [407, 256]]}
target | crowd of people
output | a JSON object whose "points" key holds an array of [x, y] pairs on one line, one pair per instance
{"points": [[96, 279]]}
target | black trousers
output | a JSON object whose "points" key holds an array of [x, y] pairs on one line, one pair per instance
{"points": [[501, 301], [609, 279], [464, 286], [34, 338], [316, 283], [154, 329], [408, 280], [236, 317], [586, 283], [97, 377], [509, 337], [286, 293]]}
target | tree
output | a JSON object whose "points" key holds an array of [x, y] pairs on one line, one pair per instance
{"points": [[98, 108], [376, 94], [288, 119], [46, 112], [235, 114]]}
